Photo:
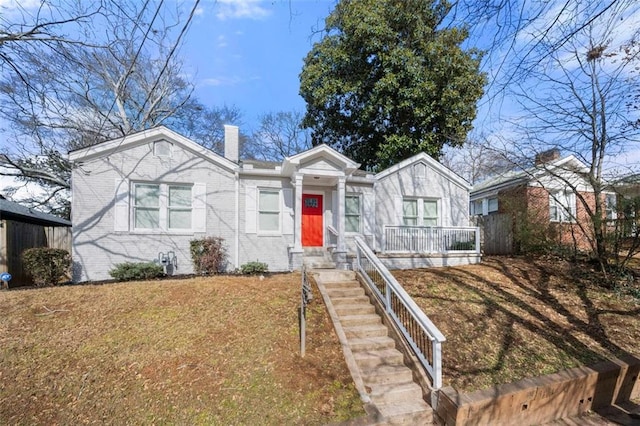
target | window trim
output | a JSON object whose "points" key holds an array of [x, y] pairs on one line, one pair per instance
{"points": [[564, 213], [163, 208], [420, 211], [358, 196], [259, 211]]}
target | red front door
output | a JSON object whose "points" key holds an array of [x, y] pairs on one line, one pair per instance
{"points": [[312, 220]]}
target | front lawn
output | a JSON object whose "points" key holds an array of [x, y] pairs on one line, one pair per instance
{"points": [[219, 350], [511, 318]]}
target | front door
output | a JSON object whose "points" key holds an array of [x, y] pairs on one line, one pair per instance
{"points": [[312, 223]]}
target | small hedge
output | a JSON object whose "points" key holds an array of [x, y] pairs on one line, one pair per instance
{"points": [[130, 271], [253, 268], [209, 256], [46, 265]]}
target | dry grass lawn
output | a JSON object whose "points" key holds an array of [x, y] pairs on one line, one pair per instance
{"points": [[511, 318], [220, 350]]}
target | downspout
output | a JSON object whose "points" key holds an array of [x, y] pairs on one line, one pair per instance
{"points": [[237, 224]]}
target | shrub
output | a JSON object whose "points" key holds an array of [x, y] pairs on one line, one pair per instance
{"points": [[252, 268], [46, 265], [462, 245], [129, 271], [209, 256]]}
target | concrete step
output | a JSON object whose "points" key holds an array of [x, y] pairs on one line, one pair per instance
{"points": [[350, 300], [371, 343], [395, 392], [357, 309], [355, 320], [386, 374], [364, 331], [345, 291], [342, 285], [406, 413], [337, 275], [371, 359]]}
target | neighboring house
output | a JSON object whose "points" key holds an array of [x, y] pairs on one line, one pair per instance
{"points": [[22, 228], [144, 196], [544, 201]]}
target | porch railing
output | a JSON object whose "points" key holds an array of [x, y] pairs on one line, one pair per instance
{"points": [[427, 239], [422, 335]]}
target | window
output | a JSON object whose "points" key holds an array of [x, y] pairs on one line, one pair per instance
{"points": [[430, 213], [162, 206], [410, 212], [610, 206], [562, 206], [162, 148], [493, 205], [420, 212], [352, 213], [147, 206], [179, 207], [476, 207], [269, 210]]}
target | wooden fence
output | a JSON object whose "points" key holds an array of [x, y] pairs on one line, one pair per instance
{"points": [[16, 237], [496, 233]]}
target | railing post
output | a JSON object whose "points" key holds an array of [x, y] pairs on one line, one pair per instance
{"points": [[477, 239], [387, 296], [437, 364]]}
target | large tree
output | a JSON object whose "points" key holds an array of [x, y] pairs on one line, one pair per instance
{"points": [[385, 82]]}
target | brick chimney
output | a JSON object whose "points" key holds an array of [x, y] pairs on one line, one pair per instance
{"points": [[231, 142], [547, 156]]}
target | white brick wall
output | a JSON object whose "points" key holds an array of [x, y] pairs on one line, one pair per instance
{"points": [[97, 248]]}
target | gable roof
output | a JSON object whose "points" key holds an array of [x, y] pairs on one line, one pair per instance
{"points": [[431, 162], [320, 151], [516, 177], [146, 136], [10, 210]]}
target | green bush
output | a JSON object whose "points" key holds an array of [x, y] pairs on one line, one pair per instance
{"points": [[46, 265], [253, 268], [462, 245], [130, 271], [209, 256]]}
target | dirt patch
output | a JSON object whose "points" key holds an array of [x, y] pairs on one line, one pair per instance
{"points": [[511, 318], [220, 350]]}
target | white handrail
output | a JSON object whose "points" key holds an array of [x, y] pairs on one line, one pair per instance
{"points": [[436, 338]]}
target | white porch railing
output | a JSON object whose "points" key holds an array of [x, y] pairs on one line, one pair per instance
{"points": [[427, 239], [423, 336]]}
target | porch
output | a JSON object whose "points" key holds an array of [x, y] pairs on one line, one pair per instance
{"points": [[407, 247]]}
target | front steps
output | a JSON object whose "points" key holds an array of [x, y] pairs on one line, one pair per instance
{"points": [[317, 258], [371, 355]]}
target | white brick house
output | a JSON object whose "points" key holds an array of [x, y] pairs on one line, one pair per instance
{"points": [[144, 196]]}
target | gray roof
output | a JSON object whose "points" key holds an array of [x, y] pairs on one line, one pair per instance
{"points": [[14, 211]]}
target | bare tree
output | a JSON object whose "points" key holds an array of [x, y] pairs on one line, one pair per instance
{"points": [[577, 100], [120, 75], [280, 135]]}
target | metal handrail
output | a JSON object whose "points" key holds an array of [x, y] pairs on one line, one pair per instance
{"points": [[422, 335]]}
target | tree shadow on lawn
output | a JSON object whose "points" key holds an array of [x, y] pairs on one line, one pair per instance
{"points": [[517, 325]]}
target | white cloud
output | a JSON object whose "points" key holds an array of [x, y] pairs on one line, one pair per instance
{"points": [[222, 41], [226, 81], [241, 9]]}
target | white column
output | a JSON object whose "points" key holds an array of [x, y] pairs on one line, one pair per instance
{"points": [[341, 195], [298, 213]]}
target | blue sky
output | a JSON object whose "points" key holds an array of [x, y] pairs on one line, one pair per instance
{"points": [[249, 54]]}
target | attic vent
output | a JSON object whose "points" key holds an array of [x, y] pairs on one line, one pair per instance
{"points": [[162, 148], [420, 170]]}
